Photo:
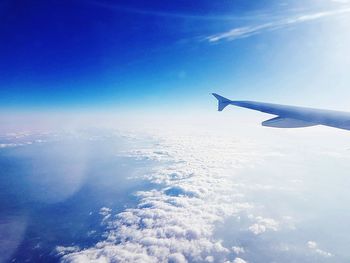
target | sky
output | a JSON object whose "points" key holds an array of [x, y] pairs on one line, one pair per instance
{"points": [[275, 194], [169, 56]]}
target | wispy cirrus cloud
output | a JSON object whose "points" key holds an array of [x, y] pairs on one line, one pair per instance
{"points": [[250, 30], [169, 15]]}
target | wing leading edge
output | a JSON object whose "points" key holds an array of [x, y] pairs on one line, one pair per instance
{"points": [[291, 116]]}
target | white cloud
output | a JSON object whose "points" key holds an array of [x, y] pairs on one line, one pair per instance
{"points": [[311, 244], [239, 260], [238, 250], [104, 211], [250, 30], [6, 145], [314, 247], [61, 250], [263, 224], [176, 222], [197, 189], [177, 258], [199, 186], [9, 145]]}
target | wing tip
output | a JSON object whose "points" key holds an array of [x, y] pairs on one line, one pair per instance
{"points": [[222, 101]]}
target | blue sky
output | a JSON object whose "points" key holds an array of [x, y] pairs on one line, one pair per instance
{"points": [[146, 69], [110, 54]]}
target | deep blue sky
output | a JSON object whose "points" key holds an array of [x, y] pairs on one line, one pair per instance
{"points": [[100, 53]]}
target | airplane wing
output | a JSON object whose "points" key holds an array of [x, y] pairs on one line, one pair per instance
{"points": [[291, 116]]}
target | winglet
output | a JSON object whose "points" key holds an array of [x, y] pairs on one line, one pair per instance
{"points": [[222, 101]]}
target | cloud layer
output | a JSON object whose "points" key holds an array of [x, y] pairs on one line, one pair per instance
{"points": [[176, 222], [200, 187]]}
